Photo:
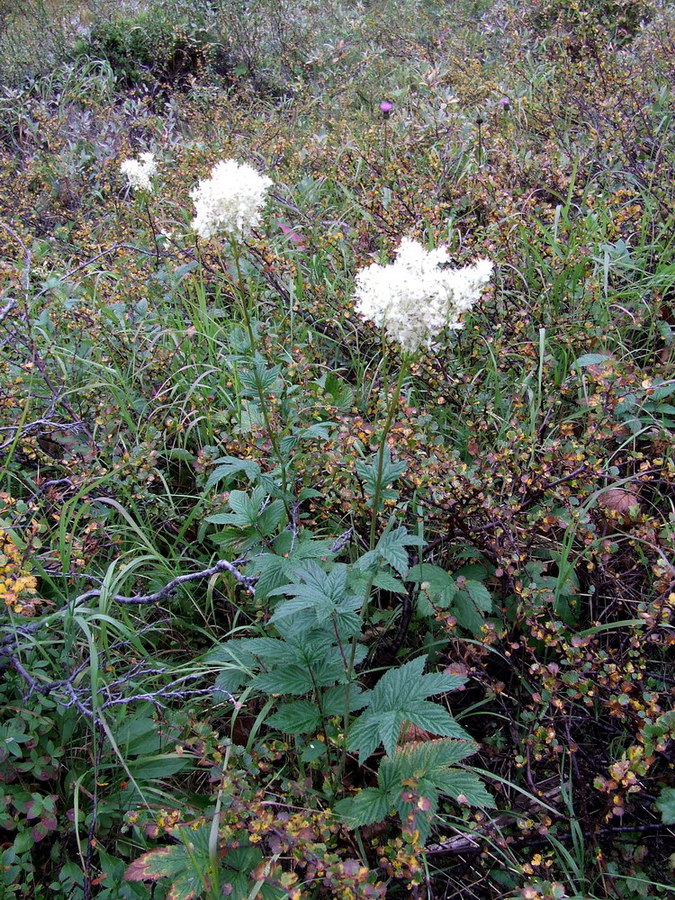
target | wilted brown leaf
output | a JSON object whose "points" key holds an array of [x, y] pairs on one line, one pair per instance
{"points": [[622, 500]]}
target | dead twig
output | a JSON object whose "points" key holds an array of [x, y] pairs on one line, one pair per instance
{"points": [[170, 589]]}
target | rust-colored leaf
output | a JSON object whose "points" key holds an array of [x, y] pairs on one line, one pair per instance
{"points": [[622, 500], [148, 867]]}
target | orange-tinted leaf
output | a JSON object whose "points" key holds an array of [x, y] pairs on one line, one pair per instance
{"points": [[163, 863]]}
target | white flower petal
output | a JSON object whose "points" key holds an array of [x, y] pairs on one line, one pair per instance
{"points": [[414, 299], [230, 200], [139, 171]]}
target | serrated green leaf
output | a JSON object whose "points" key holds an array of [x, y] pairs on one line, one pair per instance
{"points": [[221, 519], [166, 862], [479, 594], [300, 678], [333, 701], [294, 680], [467, 788], [300, 717], [466, 612], [439, 588], [314, 750], [368, 806], [319, 430], [246, 507], [441, 683], [271, 570], [270, 518], [368, 472], [430, 757], [340, 393], [391, 547], [440, 582], [434, 718], [323, 596], [666, 805], [228, 466], [387, 582], [186, 886], [661, 390], [274, 570], [590, 359], [259, 378], [400, 695], [228, 682], [183, 863], [365, 736]]}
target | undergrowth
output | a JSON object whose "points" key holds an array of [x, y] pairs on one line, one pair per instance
{"points": [[286, 613]]}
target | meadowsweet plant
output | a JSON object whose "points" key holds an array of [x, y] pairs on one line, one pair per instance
{"points": [[230, 201], [416, 300], [140, 172]]}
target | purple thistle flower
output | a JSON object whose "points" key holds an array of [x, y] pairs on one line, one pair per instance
{"points": [[505, 103], [386, 108]]}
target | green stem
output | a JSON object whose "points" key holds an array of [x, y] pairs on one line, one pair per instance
{"points": [[393, 405], [152, 228], [241, 291]]}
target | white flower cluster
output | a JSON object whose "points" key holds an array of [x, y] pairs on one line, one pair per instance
{"points": [[415, 299], [230, 200], [139, 171]]}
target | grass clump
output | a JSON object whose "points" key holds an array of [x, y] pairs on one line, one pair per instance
{"points": [[292, 606]]}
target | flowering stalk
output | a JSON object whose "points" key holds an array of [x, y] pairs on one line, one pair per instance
{"points": [[271, 433], [385, 108], [230, 202], [415, 300], [479, 149], [393, 405], [139, 174]]}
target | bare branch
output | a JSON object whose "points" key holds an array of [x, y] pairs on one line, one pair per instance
{"points": [[170, 589], [223, 565], [6, 309]]}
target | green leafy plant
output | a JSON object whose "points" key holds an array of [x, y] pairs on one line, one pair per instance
{"points": [[411, 782]]}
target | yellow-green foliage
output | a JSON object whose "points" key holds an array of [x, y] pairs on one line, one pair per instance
{"points": [[156, 390]]}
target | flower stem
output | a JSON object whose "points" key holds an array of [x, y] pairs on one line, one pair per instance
{"points": [[241, 291], [393, 405], [152, 227]]}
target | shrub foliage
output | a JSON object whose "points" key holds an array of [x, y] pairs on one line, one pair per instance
{"points": [[287, 612]]}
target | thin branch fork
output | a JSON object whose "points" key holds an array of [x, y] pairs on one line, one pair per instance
{"points": [[170, 589], [176, 690]]}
